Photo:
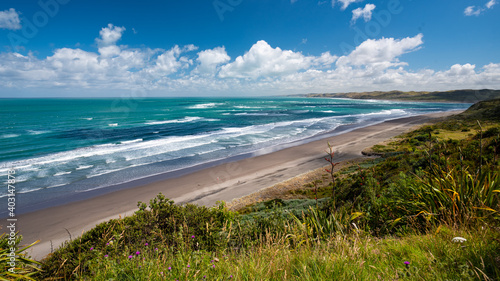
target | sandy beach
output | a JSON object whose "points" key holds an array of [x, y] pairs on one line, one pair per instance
{"points": [[53, 225]]}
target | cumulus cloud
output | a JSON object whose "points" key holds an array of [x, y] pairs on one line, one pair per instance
{"points": [[107, 42], [325, 60], [365, 12], [210, 59], [461, 70], [383, 52], [110, 35], [9, 19], [263, 60], [169, 62], [344, 3], [375, 64]]}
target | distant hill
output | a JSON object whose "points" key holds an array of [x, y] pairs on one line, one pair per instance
{"points": [[465, 96], [484, 110]]}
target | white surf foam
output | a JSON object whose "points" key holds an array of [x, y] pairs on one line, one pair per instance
{"points": [[205, 105]]}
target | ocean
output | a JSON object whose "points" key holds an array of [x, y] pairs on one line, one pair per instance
{"points": [[59, 147]]}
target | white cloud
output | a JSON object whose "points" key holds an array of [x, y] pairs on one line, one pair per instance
{"points": [[189, 48], [476, 11], [365, 12], [461, 70], [109, 51], [263, 60], [68, 60], [373, 65], [210, 59], [110, 35], [383, 52], [472, 11], [170, 62], [9, 19], [107, 41], [325, 60], [345, 3], [490, 4]]}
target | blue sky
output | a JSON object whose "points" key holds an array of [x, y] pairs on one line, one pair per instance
{"points": [[79, 48]]}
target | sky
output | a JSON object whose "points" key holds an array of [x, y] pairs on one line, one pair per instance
{"points": [[108, 48]]}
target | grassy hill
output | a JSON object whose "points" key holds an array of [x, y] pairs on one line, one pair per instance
{"points": [[465, 96], [485, 110]]}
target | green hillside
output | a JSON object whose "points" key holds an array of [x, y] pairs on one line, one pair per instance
{"points": [[485, 110], [465, 96]]}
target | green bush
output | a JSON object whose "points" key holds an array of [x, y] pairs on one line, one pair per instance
{"points": [[163, 224]]}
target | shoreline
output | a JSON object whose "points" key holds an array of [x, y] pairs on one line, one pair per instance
{"points": [[64, 197], [205, 186]]}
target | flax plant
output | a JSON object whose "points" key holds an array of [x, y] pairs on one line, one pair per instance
{"points": [[24, 267], [455, 196]]}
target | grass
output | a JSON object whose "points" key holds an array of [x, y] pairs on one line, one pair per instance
{"points": [[432, 256], [456, 196]]}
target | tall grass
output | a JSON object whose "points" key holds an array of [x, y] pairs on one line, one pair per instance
{"points": [[455, 197], [431, 257]]}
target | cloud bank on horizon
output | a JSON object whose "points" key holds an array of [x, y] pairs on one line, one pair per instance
{"points": [[262, 69]]}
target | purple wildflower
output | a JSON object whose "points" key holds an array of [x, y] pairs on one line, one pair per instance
{"points": [[407, 262], [213, 266], [107, 244], [137, 253], [130, 256], [169, 268], [106, 256], [92, 248], [156, 249], [146, 244], [192, 236], [188, 266]]}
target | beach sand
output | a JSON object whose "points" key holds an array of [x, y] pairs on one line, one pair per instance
{"points": [[54, 225]]}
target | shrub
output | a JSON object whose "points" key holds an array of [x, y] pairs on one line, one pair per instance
{"points": [[164, 224]]}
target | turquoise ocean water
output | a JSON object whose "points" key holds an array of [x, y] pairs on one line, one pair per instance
{"points": [[70, 146]]}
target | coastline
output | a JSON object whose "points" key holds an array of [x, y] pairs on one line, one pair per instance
{"points": [[206, 186]]}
